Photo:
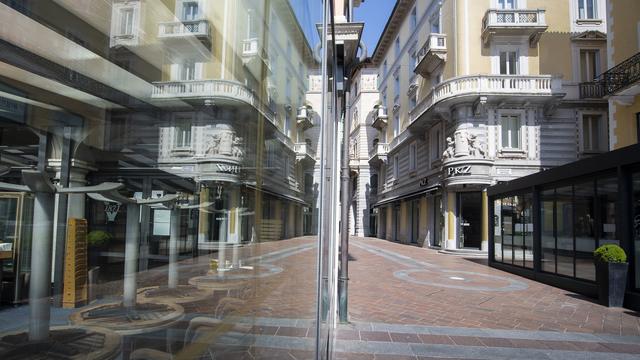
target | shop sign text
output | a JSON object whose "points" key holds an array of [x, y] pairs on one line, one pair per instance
{"points": [[459, 170]]}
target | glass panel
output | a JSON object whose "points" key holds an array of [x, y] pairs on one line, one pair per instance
{"points": [[564, 230], [636, 226], [497, 230], [527, 222], [584, 203], [607, 196], [507, 229], [547, 231], [203, 183]]}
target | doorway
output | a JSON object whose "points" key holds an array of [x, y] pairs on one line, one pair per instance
{"points": [[470, 220], [415, 221]]}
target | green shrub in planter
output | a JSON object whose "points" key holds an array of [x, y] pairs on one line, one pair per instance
{"points": [[98, 238], [610, 253], [611, 274]]}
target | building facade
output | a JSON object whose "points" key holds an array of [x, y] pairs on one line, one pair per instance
{"points": [[474, 93]]}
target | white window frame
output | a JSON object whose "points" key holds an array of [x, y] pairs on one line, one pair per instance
{"points": [[285, 167], [178, 71], [506, 148], [117, 37], [517, 45], [583, 4], [397, 47], [413, 156], [396, 167], [598, 63], [396, 124], [436, 143], [413, 19], [178, 131], [181, 10], [602, 133]]}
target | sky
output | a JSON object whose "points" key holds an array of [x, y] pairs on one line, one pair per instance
{"points": [[374, 13]]}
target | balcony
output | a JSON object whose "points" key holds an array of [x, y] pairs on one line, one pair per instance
{"points": [[304, 117], [622, 79], [482, 88], [432, 54], [305, 153], [380, 117], [254, 57], [182, 30], [218, 91], [531, 23], [378, 154]]}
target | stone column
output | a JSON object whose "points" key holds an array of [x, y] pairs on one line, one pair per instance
{"points": [[451, 220], [132, 242], [40, 281], [174, 235], [485, 221]]}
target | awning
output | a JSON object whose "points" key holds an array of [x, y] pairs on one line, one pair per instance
{"points": [[429, 189]]}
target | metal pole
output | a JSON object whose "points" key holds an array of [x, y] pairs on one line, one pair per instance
{"points": [[173, 247], [40, 281], [344, 221], [131, 255]]}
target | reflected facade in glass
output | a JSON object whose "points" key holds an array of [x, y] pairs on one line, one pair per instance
{"points": [[161, 164]]}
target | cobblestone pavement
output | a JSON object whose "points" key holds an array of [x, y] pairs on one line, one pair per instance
{"points": [[404, 302]]}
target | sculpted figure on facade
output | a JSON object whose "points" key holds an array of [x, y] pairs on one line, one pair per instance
{"points": [[449, 151], [475, 146], [213, 144], [237, 150]]}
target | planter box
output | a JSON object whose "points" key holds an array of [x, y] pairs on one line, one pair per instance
{"points": [[612, 283]]}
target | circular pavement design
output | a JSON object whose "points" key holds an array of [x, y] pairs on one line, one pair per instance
{"points": [[462, 280]]}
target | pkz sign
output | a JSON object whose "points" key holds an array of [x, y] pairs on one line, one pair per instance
{"points": [[228, 169], [459, 170]]}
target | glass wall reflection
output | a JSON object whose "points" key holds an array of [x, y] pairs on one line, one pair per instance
{"points": [[160, 164]]}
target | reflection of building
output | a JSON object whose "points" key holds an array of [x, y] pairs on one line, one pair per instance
{"points": [[473, 94], [188, 97]]}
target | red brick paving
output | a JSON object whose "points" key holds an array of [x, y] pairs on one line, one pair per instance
{"points": [[375, 295]]}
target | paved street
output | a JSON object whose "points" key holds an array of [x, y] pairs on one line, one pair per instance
{"points": [[405, 303]]}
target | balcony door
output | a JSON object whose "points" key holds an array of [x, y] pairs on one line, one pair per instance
{"points": [[507, 4], [190, 10]]}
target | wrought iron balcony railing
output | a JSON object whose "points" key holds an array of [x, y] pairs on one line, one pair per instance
{"points": [[613, 80]]}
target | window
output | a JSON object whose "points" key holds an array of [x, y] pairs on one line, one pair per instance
{"points": [[396, 167], [288, 89], [435, 24], [289, 50], [397, 47], [396, 124], [384, 69], [592, 132], [396, 85], [189, 10], [188, 70], [287, 123], [510, 131], [252, 26], [414, 20], [412, 101], [183, 133], [384, 97], [435, 144], [587, 9], [413, 148], [506, 4], [508, 62], [589, 64], [126, 21], [285, 167]]}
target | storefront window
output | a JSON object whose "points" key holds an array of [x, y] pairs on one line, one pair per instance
{"points": [[635, 221], [584, 202], [497, 230], [547, 230], [508, 218], [527, 230], [564, 231]]}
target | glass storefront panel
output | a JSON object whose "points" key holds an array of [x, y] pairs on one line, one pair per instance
{"points": [[547, 231], [584, 202], [527, 230], [507, 229], [497, 230], [635, 221], [564, 231], [185, 140]]}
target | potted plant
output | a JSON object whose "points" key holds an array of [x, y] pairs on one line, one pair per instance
{"points": [[611, 274], [97, 240]]}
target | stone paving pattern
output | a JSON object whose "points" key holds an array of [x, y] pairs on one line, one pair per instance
{"points": [[404, 303]]}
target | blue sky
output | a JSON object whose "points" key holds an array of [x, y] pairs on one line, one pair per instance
{"points": [[374, 13]]}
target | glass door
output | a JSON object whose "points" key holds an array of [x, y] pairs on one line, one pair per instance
{"points": [[470, 218]]}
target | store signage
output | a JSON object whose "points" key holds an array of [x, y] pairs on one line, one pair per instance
{"points": [[111, 209], [459, 170], [228, 169]]}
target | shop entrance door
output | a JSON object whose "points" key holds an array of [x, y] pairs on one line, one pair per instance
{"points": [[470, 220], [415, 221]]}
